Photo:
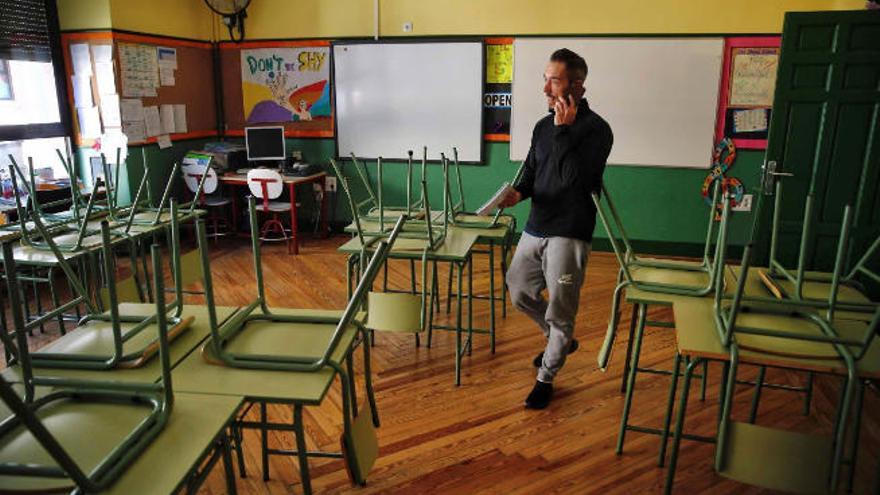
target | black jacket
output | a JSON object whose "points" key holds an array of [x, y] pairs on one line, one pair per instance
{"points": [[564, 165]]}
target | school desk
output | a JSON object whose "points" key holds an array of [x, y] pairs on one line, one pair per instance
{"points": [[291, 183]]}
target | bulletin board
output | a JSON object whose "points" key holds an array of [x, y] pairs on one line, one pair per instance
{"points": [[747, 86], [277, 82], [193, 81]]}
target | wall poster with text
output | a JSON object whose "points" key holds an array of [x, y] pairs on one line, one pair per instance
{"points": [[287, 85]]}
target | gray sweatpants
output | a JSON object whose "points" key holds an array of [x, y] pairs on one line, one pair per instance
{"points": [[558, 265]]}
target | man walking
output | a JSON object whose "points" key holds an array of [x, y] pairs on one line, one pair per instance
{"points": [[564, 166]]}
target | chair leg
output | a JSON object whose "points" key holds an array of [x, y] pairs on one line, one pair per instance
{"points": [[264, 441], [631, 379], [756, 395], [629, 346], [857, 426], [670, 401], [301, 452], [679, 426], [808, 397], [228, 470]]}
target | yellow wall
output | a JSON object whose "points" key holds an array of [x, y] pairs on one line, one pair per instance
{"points": [[181, 18], [269, 19], [84, 14], [306, 19], [594, 16]]}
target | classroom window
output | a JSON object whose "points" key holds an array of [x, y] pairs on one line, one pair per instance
{"points": [[32, 89], [41, 153]]}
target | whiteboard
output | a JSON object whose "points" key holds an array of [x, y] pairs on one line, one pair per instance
{"points": [[398, 96], [659, 95]]}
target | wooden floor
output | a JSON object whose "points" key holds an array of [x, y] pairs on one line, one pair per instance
{"points": [[477, 438]]}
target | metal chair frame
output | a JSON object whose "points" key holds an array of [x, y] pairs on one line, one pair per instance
{"points": [[627, 259], [799, 278], [99, 362], [158, 397]]}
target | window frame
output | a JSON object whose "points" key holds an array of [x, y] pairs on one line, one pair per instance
{"points": [[63, 126]]}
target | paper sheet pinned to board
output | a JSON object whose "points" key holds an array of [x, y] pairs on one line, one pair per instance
{"points": [[102, 53], [82, 91], [135, 131], [180, 118], [89, 122], [164, 141], [132, 110], [105, 78], [110, 111], [152, 121], [166, 112], [81, 59]]}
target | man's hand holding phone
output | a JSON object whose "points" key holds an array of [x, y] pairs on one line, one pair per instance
{"points": [[565, 110]]}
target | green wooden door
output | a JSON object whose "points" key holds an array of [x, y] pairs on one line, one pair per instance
{"points": [[824, 131]]}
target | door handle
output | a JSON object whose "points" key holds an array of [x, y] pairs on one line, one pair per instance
{"points": [[771, 176]]}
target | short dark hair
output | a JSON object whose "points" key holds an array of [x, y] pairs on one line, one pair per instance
{"points": [[575, 65]]}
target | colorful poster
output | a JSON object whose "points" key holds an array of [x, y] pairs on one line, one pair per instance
{"points": [[497, 91], [499, 64], [287, 85]]}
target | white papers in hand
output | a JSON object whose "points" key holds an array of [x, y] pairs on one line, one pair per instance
{"points": [[493, 202]]}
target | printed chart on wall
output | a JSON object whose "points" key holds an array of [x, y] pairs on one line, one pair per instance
{"points": [[288, 85], [497, 97], [747, 90]]}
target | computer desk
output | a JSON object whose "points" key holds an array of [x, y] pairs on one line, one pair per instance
{"points": [[291, 182]]}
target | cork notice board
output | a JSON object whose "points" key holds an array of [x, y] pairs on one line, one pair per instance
{"points": [[193, 82]]}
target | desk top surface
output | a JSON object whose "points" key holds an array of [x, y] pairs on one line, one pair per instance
{"points": [[182, 346], [456, 246], [196, 375], [194, 422]]}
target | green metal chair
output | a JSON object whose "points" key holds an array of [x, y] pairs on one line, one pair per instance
{"points": [[391, 310], [662, 276], [372, 207], [132, 339], [135, 414], [490, 235], [795, 335], [814, 287], [297, 334]]}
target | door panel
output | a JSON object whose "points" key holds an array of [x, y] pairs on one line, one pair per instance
{"points": [[824, 130]]}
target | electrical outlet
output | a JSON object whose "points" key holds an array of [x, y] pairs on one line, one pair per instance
{"points": [[297, 155], [330, 184], [407, 27], [745, 204], [317, 187]]}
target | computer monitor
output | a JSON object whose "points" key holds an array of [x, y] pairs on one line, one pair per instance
{"points": [[264, 143]]}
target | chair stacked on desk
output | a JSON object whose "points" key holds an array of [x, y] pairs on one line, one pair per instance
{"points": [[127, 354], [431, 236], [290, 356], [50, 440], [810, 335]]}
